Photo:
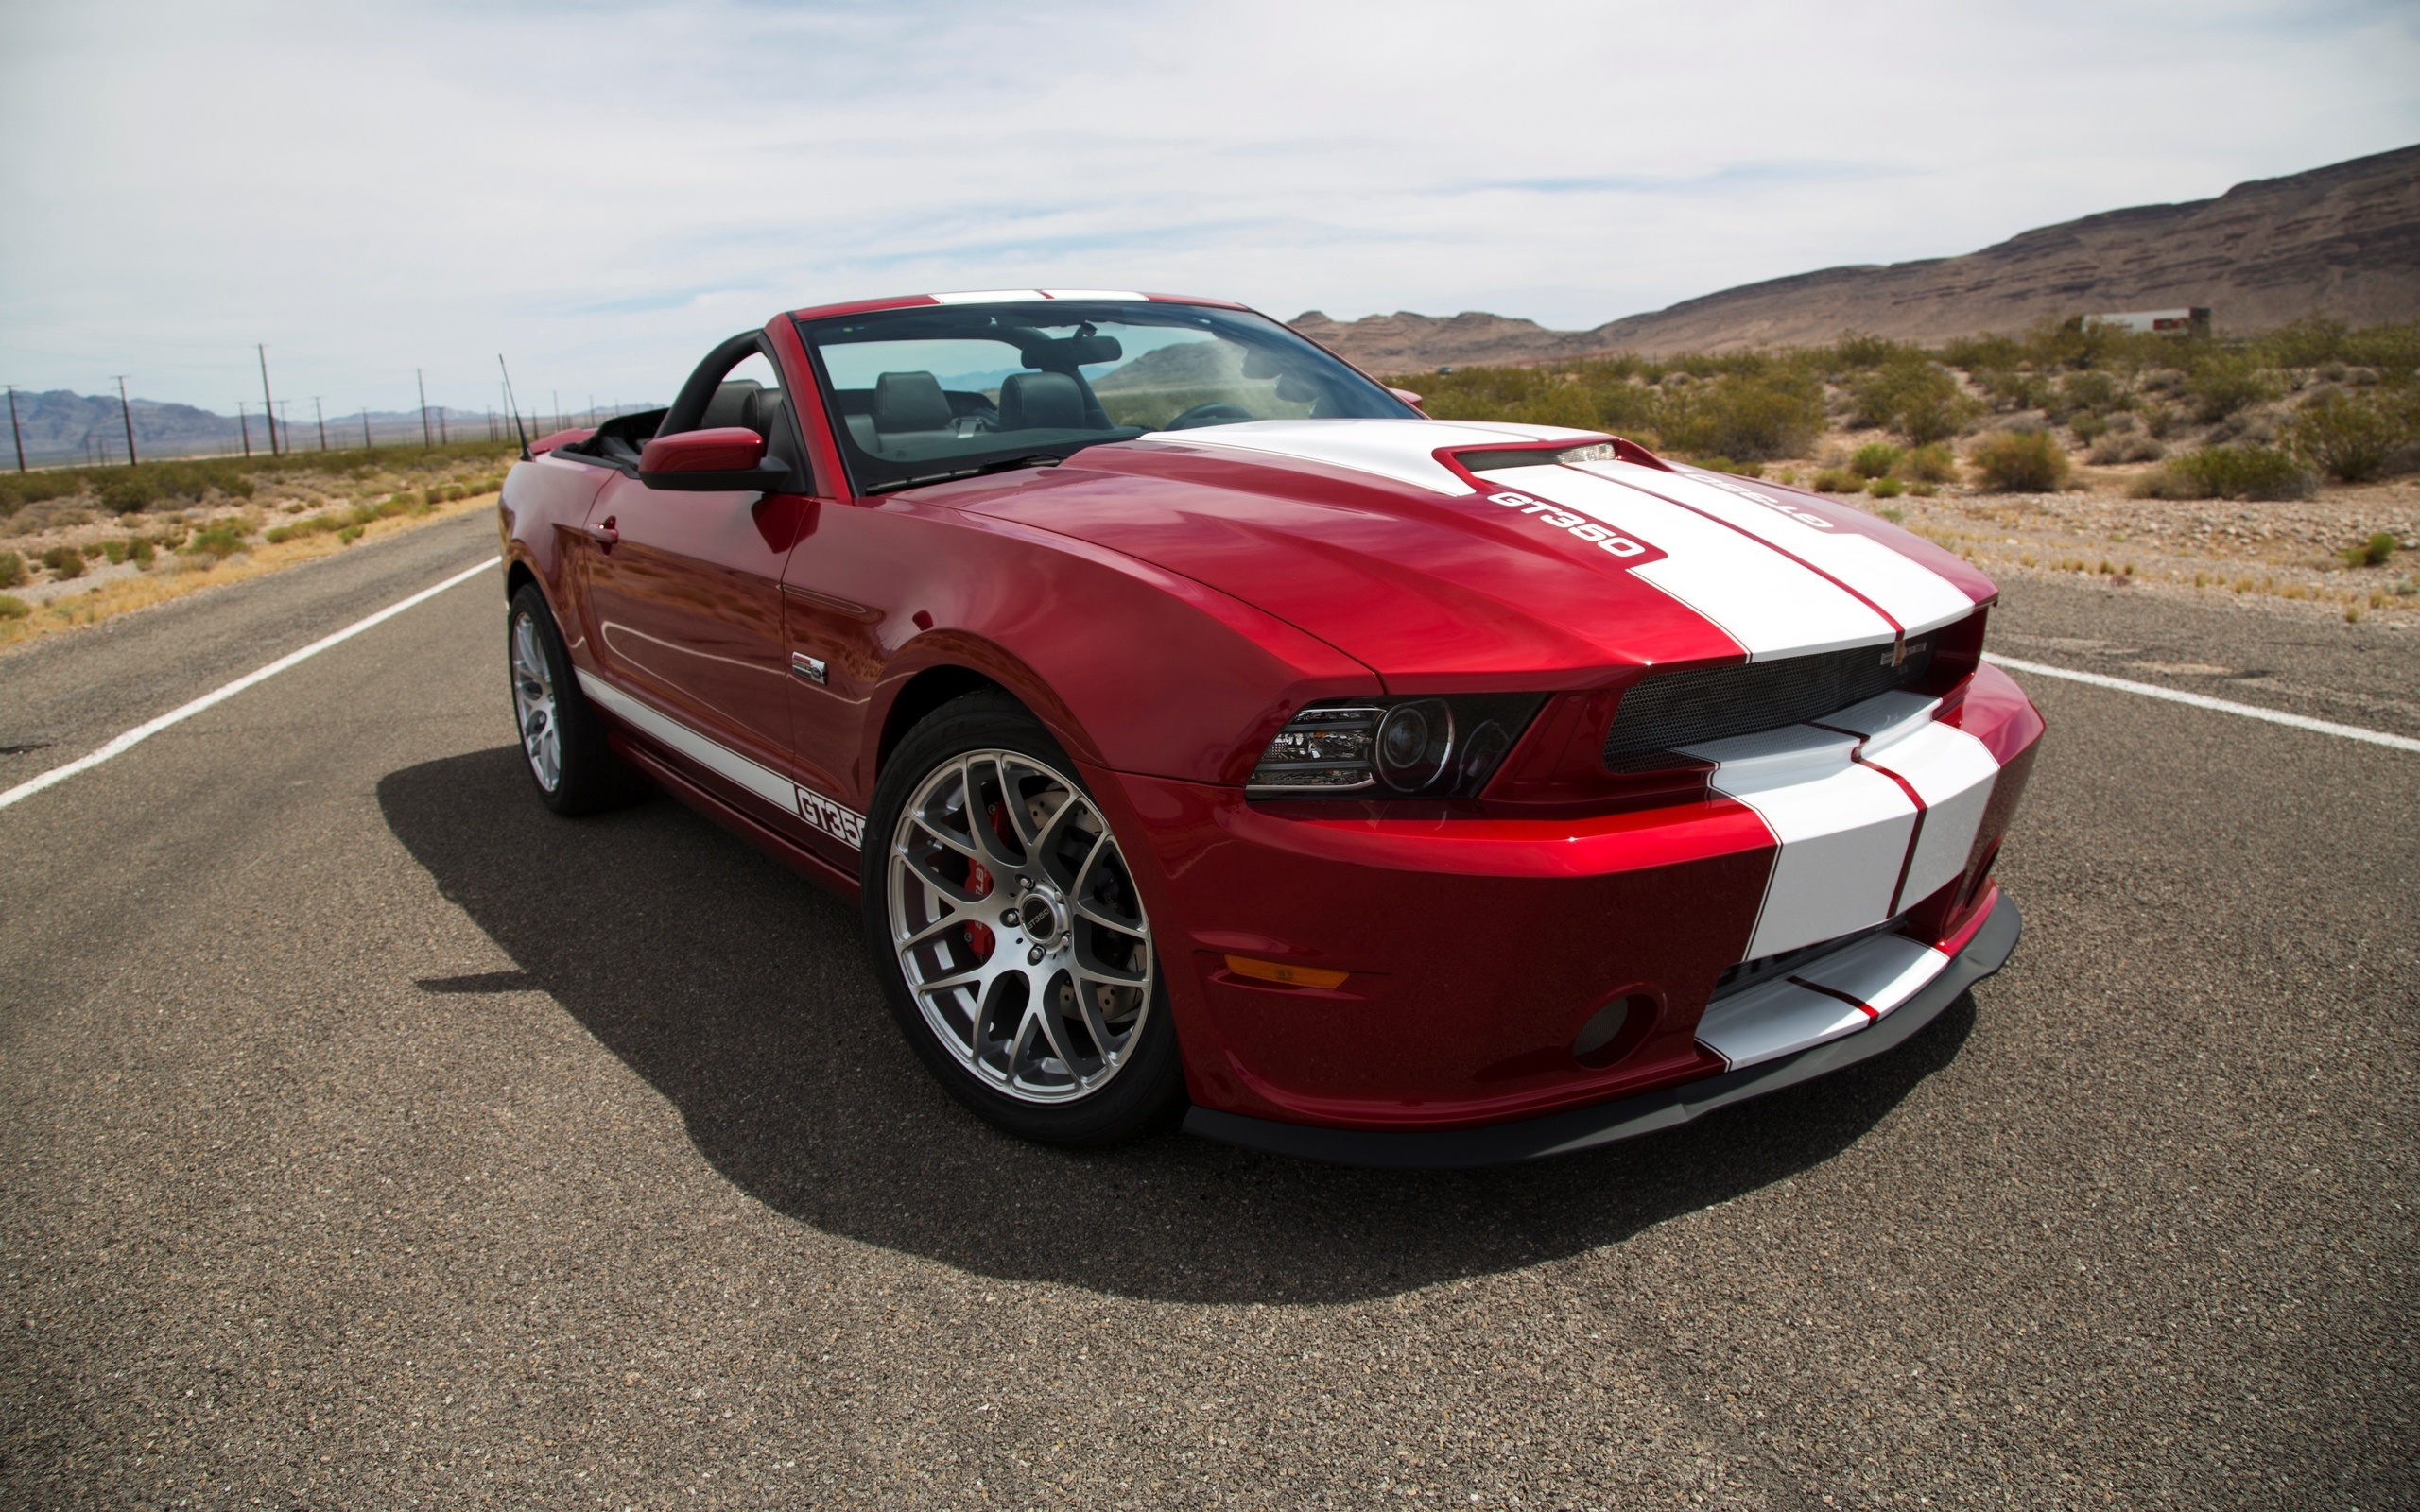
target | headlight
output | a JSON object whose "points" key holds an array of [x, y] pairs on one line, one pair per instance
{"points": [[1394, 748]]}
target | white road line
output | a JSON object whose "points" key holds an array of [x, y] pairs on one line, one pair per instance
{"points": [[142, 733], [2376, 737]]}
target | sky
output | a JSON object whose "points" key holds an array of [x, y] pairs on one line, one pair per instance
{"points": [[602, 191]]}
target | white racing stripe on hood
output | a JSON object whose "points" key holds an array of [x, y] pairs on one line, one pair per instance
{"points": [[1915, 596], [1773, 607], [1404, 450]]}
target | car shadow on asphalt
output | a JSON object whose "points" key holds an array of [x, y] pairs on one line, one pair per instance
{"points": [[742, 994]]}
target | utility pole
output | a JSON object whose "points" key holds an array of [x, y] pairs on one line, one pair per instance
{"points": [[127, 414], [323, 415], [240, 419], [268, 410], [442, 439], [15, 435], [558, 396], [286, 420], [425, 442], [366, 443]]}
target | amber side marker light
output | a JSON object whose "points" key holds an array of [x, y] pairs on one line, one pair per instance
{"points": [[1291, 975]]}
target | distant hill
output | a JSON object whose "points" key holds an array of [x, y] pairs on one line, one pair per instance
{"points": [[60, 426], [2341, 241]]}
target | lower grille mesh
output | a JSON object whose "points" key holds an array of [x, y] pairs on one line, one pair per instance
{"points": [[1674, 709]]}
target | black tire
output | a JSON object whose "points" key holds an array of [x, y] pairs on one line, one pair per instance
{"points": [[587, 777], [1147, 1093]]}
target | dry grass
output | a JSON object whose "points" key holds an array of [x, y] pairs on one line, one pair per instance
{"points": [[122, 594]]}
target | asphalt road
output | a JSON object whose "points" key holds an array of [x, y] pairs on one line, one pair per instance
{"points": [[369, 1137]]}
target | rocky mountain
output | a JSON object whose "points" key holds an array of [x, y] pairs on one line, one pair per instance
{"points": [[2341, 241]]}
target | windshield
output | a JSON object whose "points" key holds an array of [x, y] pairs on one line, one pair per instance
{"points": [[943, 391]]}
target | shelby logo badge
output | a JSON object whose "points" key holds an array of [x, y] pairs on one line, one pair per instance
{"points": [[1580, 526], [1804, 517], [830, 817]]}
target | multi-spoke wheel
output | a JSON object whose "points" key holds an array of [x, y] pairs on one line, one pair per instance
{"points": [[1017, 938], [568, 759], [533, 703]]}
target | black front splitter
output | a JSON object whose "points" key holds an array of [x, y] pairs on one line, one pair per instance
{"points": [[1585, 1128]]}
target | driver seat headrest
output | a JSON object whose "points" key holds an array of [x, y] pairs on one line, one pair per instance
{"points": [[1041, 401], [910, 401]]}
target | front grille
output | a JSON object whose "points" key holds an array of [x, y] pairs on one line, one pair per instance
{"points": [[1675, 708]]}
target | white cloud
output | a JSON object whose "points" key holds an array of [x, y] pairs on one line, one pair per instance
{"points": [[602, 190]]}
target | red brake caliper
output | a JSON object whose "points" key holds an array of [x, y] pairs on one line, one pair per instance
{"points": [[978, 936]]}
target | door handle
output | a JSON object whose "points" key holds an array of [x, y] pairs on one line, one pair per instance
{"points": [[604, 535]]}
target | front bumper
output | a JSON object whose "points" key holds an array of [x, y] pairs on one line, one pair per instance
{"points": [[1586, 1128]]}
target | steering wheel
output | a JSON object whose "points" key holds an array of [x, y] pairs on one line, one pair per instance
{"points": [[1215, 413]]}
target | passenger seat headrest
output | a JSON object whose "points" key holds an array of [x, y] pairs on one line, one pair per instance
{"points": [[730, 405], [910, 401], [1041, 401]]}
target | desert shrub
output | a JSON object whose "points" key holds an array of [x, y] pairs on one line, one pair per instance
{"points": [[1885, 488], [1754, 418], [64, 562], [1914, 396], [1929, 464], [1855, 351], [1874, 459], [2375, 552], [114, 551], [1923, 490], [2089, 425], [1983, 354], [349, 534], [2349, 437], [219, 542], [2113, 449], [2019, 462], [1837, 480], [13, 608], [1724, 464], [2092, 389], [12, 569], [138, 549], [132, 491], [17, 490], [2227, 472], [2224, 383]]}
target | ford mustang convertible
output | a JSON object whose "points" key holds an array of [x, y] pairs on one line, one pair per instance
{"points": [[1207, 735]]}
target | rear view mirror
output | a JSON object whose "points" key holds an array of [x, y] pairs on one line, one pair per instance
{"points": [[729, 457], [1259, 363]]}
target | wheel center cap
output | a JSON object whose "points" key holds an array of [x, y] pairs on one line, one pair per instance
{"points": [[1041, 917]]}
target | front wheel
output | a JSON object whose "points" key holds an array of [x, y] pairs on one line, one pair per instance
{"points": [[1010, 935]]}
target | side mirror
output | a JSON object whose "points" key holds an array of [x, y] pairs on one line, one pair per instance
{"points": [[710, 461], [1408, 397]]}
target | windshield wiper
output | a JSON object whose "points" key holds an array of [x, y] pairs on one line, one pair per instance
{"points": [[1006, 465]]}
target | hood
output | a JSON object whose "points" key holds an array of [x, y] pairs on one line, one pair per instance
{"points": [[1414, 547]]}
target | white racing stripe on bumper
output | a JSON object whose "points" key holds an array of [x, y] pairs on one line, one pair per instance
{"points": [[1837, 995], [1842, 830], [1871, 812], [1915, 596], [844, 824], [1772, 606]]}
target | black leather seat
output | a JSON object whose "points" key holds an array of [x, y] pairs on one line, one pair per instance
{"points": [[1042, 401], [907, 402]]}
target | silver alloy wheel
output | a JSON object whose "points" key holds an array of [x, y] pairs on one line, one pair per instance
{"points": [[533, 703], [1018, 928]]}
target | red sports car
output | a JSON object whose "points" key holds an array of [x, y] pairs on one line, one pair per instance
{"points": [[1209, 734]]}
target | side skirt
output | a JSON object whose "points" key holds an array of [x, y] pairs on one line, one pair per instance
{"points": [[780, 846]]}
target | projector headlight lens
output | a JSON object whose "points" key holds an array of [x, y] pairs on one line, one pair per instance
{"points": [[1394, 748]]}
